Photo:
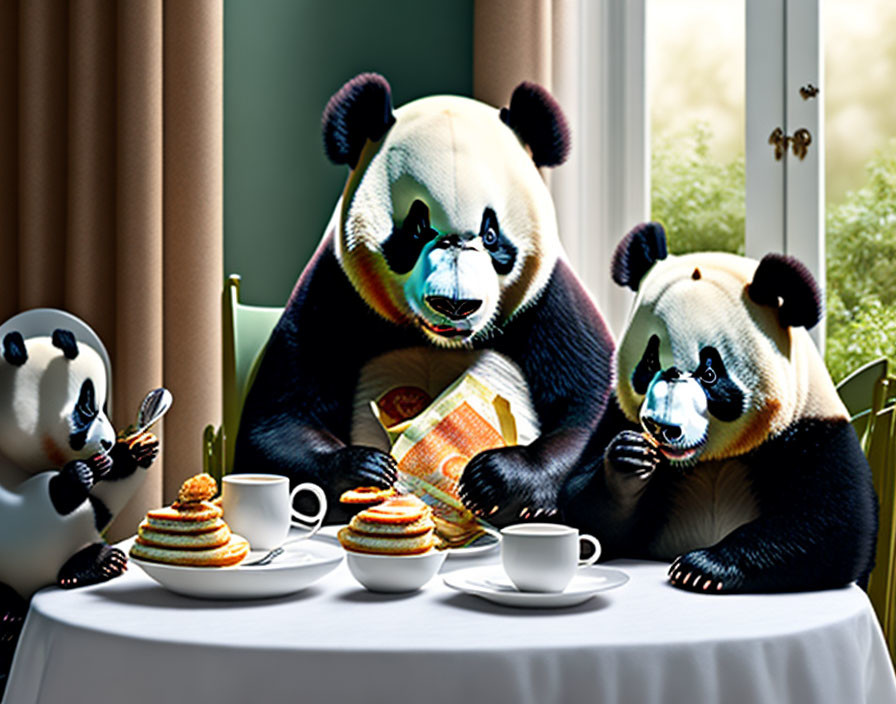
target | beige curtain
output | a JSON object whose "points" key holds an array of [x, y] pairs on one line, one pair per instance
{"points": [[111, 198], [520, 40]]}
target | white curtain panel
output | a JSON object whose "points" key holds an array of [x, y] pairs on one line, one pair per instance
{"points": [[591, 55]]}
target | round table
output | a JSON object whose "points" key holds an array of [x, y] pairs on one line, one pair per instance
{"points": [[131, 640]]}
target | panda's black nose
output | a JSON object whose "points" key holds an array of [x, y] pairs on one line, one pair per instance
{"points": [[453, 308], [663, 431], [106, 444]]}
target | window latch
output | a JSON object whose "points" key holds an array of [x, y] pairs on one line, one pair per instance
{"points": [[799, 142]]}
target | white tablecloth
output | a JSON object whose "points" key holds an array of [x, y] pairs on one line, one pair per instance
{"points": [[131, 641]]}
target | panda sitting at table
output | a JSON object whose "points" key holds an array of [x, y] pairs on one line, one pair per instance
{"points": [[726, 449]]}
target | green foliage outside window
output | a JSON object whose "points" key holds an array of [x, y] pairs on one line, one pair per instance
{"points": [[701, 204], [861, 259], [699, 200]]}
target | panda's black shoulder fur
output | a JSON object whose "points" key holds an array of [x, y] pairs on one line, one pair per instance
{"points": [[562, 346]]}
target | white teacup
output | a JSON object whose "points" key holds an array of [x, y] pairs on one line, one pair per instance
{"points": [[543, 557], [259, 507]]}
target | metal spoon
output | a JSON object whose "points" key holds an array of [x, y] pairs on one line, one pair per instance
{"points": [[272, 555], [154, 406]]}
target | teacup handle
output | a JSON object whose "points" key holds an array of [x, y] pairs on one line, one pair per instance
{"points": [[299, 518], [595, 544]]}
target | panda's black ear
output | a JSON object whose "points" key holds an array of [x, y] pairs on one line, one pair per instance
{"points": [[538, 120], [639, 250], [65, 340], [786, 284], [360, 110], [14, 350]]}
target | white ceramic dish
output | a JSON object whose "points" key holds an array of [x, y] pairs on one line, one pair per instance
{"points": [[299, 566], [492, 583], [394, 573]]}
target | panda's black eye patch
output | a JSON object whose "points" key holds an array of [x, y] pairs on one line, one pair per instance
{"points": [[724, 399], [83, 415], [402, 248], [647, 367], [501, 249]]}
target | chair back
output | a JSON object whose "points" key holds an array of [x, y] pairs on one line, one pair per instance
{"points": [[868, 395], [882, 584], [857, 391], [246, 330]]}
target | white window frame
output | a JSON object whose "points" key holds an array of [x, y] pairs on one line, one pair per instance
{"points": [[785, 199], [600, 79]]}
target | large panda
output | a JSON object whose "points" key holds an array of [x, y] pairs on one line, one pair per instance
{"points": [[63, 475], [747, 475], [441, 256]]}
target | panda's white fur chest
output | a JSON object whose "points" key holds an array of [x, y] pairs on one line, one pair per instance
{"points": [[706, 505], [37, 540], [433, 370]]}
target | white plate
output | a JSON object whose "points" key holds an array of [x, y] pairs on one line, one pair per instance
{"points": [[299, 566], [493, 584], [482, 544]]}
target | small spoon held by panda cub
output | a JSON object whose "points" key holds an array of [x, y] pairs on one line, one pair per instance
{"points": [[154, 406]]}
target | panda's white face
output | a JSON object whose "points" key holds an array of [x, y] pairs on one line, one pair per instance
{"points": [[51, 410], [453, 289], [447, 224], [705, 369]]}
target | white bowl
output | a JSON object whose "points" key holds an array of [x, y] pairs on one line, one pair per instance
{"points": [[394, 573]]}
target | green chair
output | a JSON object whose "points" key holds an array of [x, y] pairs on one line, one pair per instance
{"points": [[868, 395], [246, 330], [857, 391]]}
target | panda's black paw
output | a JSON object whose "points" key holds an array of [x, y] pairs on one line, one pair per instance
{"points": [[144, 449], [94, 564], [358, 465], [708, 571], [630, 460], [499, 485]]}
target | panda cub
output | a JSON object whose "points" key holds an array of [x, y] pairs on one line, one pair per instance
{"points": [[727, 450], [442, 258], [63, 475]]}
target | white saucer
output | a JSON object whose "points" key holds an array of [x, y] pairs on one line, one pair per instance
{"points": [[299, 566], [493, 584]]}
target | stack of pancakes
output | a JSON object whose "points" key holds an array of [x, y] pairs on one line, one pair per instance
{"points": [[190, 532], [401, 525]]}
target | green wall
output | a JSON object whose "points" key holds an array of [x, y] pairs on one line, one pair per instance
{"points": [[282, 61]]}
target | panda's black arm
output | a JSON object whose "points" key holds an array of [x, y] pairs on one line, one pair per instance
{"points": [[564, 351], [625, 516], [297, 417], [70, 487], [818, 517]]}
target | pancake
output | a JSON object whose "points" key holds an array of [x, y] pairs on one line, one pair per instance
{"points": [[359, 524], [366, 495], [231, 553], [188, 514], [175, 526], [214, 538], [401, 525], [386, 545], [401, 510], [190, 532]]}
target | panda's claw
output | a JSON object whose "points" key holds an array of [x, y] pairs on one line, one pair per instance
{"points": [[94, 564]]}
